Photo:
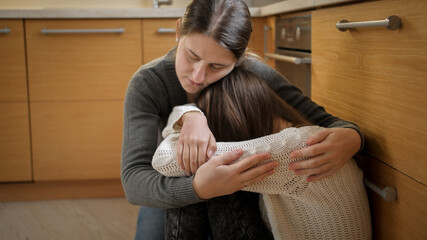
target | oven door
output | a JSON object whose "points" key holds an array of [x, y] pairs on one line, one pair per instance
{"points": [[295, 67]]}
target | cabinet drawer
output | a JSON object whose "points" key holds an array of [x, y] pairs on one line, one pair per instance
{"points": [[376, 78], [406, 218], [13, 78], [155, 42], [81, 66], [76, 140], [15, 156]]}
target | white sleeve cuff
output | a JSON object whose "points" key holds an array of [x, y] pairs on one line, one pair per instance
{"points": [[175, 116]]}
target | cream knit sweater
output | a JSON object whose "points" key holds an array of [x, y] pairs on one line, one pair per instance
{"points": [[332, 208]]}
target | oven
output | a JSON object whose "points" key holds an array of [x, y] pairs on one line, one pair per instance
{"points": [[293, 51]]}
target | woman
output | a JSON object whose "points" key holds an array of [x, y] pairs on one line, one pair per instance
{"points": [[241, 107], [212, 37]]}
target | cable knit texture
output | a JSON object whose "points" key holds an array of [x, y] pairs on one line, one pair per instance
{"points": [[333, 208]]}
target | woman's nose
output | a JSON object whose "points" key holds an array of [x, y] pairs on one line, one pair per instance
{"points": [[199, 73]]}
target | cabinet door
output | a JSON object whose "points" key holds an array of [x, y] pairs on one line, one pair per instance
{"points": [[76, 140], [81, 66], [77, 86], [13, 77], [15, 153], [158, 37], [405, 218], [376, 78]]}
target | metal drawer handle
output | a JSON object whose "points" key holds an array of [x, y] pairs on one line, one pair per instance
{"points": [[284, 58], [388, 193], [166, 30], [391, 23], [60, 31], [5, 30]]}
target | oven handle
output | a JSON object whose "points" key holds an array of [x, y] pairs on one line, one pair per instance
{"points": [[285, 58]]}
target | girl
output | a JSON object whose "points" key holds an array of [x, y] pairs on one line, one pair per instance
{"points": [[241, 107]]}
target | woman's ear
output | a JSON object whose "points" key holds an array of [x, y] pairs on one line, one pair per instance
{"points": [[178, 22]]}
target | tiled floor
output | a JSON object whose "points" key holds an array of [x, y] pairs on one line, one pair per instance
{"points": [[81, 219]]}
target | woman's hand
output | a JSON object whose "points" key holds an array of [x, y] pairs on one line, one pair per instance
{"points": [[218, 177], [328, 150], [196, 142]]}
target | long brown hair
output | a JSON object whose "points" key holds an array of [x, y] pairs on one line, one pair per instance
{"points": [[242, 106], [228, 22]]}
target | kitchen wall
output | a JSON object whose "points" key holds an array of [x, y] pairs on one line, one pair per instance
{"points": [[260, 3], [37, 4], [29, 4]]}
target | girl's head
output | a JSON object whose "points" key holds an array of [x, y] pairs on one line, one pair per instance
{"points": [[242, 106], [213, 35]]}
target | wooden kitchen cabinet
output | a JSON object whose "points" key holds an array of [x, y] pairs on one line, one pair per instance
{"points": [[81, 66], [76, 140], [404, 218], [15, 150], [377, 78], [158, 36], [77, 84]]}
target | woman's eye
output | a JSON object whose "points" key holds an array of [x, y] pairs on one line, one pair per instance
{"points": [[193, 59], [214, 67]]}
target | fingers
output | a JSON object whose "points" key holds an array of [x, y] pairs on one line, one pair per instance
{"points": [[193, 160], [194, 152], [310, 163], [179, 153], [313, 171], [317, 137], [249, 173], [186, 159], [211, 147], [228, 157], [258, 173], [310, 151], [251, 161]]}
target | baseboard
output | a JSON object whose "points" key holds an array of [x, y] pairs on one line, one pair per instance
{"points": [[49, 190]]}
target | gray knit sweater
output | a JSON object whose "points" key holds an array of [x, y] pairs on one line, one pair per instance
{"points": [[152, 93]]}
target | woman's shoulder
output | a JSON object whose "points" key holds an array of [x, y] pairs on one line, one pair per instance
{"points": [[157, 69], [158, 76]]}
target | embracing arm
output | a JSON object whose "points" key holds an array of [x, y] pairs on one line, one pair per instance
{"points": [[293, 96], [142, 184], [279, 145], [327, 150]]}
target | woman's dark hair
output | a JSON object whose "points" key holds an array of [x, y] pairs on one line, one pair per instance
{"points": [[228, 22], [242, 106]]}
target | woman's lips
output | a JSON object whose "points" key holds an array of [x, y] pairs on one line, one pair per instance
{"points": [[194, 83]]}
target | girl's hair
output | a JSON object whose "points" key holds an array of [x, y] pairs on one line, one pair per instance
{"points": [[228, 22], [242, 106]]}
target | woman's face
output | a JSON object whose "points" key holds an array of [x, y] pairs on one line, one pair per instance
{"points": [[201, 61]]}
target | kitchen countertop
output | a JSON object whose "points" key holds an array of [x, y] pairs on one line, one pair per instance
{"points": [[55, 13]]}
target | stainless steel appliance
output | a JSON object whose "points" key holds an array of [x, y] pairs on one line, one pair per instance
{"points": [[293, 50]]}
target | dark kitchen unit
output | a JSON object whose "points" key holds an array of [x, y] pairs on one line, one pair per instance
{"points": [[293, 50]]}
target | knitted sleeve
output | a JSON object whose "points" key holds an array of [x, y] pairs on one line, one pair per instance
{"points": [[176, 114], [280, 145]]}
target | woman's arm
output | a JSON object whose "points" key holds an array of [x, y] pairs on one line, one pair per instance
{"points": [[142, 119], [279, 145], [328, 150], [196, 143]]}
